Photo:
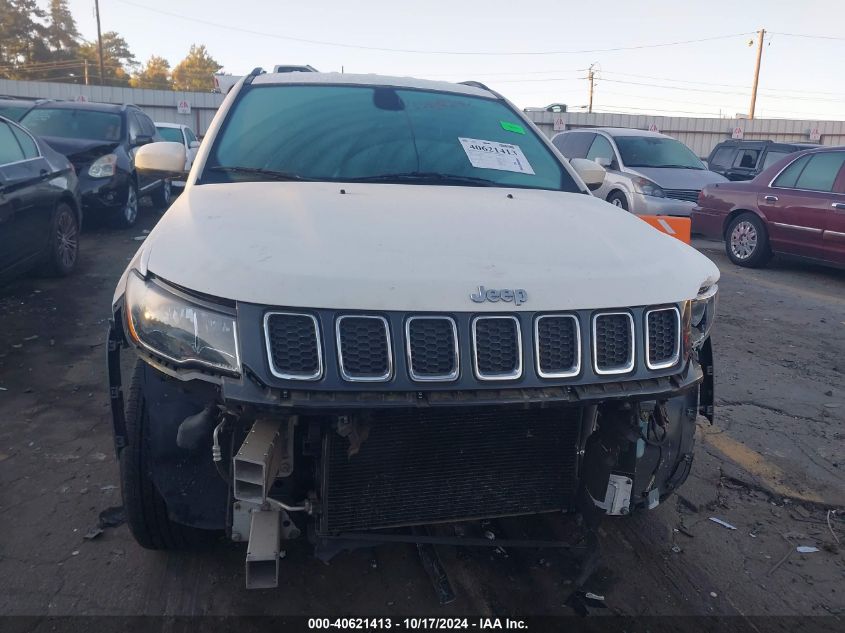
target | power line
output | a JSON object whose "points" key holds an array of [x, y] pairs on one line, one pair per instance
{"points": [[302, 40], [809, 36]]}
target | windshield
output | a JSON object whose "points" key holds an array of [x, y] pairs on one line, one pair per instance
{"points": [[656, 151], [172, 134], [68, 123], [380, 134]]}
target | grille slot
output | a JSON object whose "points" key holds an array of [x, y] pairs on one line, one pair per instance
{"points": [[613, 343], [293, 345], [363, 344], [689, 195], [432, 346], [497, 345], [663, 340], [557, 341], [447, 465]]}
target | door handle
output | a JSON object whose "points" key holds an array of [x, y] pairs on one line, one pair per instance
{"points": [[772, 199], [838, 205]]}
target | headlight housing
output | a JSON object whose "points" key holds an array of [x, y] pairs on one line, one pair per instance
{"points": [[178, 329], [702, 315], [648, 188], [103, 167]]}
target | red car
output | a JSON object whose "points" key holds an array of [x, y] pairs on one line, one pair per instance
{"points": [[795, 207]]}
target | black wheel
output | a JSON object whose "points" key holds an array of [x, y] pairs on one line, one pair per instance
{"points": [[146, 510], [618, 199], [128, 214], [63, 249], [163, 195], [747, 241]]}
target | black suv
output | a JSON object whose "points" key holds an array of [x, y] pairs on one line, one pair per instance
{"points": [[100, 139], [743, 160]]}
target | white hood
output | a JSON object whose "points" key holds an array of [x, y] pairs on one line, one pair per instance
{"points": [[417, 248]]}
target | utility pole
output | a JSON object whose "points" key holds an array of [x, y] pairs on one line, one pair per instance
{"points": [[761, 36], [591, 76], [86, 71], [99, 44]]}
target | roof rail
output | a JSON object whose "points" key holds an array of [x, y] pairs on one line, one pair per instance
{"points": [[475, 84], [252, 75]]}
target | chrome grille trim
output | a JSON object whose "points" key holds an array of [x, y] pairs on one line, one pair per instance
{"points": [[451, 376], [629, 366], [380, 378], [318, 340], [514, 375], [577, 367], [677, 354]]}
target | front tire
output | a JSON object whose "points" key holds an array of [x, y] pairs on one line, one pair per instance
{"points": [[146, 510], [128, 214], [63, 249], [618, 199], [747, 241]]}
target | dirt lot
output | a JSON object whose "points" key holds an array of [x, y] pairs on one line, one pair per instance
{"points": [[772, 466]]}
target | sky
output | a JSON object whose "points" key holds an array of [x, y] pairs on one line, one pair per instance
{"points": [[530, 51]]}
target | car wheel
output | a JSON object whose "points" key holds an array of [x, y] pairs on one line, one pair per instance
{"points": [[618, 199], [63, 249], [129, 212], [163, 196], [146, 510], [747, 241]]}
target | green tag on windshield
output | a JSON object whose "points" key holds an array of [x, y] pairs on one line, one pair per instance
{"points": [[512, 127]]}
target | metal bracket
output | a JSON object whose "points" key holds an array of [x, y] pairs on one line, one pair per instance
{"points": [[617, 500]]}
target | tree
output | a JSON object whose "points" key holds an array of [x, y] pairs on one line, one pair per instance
{"points": [[196, 70], [156, 75], [118, 60], [63, 38], [22, 43]]}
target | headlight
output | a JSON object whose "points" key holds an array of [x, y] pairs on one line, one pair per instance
{"points": [[103, 167], [702, 315], [648, 188], [178, 329]]}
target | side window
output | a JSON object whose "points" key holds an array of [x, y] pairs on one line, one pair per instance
{"points": [[30, 149], [789, 176], [821, 171], [723, 157], [575, 144], [773, 156], [134, 126], [747, 158], [601, 148], [10, 149], [190, 134], [147, 125]]}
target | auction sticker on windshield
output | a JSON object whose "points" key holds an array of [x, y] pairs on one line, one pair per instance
{"points": [[493, 155]]}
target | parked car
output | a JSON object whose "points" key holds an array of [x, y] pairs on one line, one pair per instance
{"points": [[742, 160], [223, 83], [648, 173], [14, 108], [795, 207], [40, 210], [333, 323], [178, 133], [101, 139]]}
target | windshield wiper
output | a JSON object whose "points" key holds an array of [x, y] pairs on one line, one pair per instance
{"points": [[678, 167], [432, 177], [269, 174]]}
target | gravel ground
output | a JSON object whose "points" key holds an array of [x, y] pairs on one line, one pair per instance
{"points": [[772, 466]]}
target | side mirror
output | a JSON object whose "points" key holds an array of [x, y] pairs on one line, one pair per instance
{"points": [[590, 172], [163, 159], [142, 139], [604, 161], [195, 144]]}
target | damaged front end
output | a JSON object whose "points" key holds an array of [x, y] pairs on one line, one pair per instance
{"points": [[263, 461]]}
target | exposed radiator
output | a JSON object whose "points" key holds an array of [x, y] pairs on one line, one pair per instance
{"points": [[433, 466]]}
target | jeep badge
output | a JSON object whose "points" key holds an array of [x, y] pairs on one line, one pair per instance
{"points": [[517, 296]]}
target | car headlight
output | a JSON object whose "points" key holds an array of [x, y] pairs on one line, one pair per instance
{"points": [[702, 315], [178, 329], [103, 167], [648, 188]]}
